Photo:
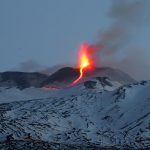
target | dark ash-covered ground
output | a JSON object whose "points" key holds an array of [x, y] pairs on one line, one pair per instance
{"points": [[42, 145]]}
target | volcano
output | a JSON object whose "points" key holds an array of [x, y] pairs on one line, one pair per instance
{"points": [[105, 111], [67, 75], [60, 79], [86, 62]]}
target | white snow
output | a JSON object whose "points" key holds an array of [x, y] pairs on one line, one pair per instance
{"points": [[107, 115]]}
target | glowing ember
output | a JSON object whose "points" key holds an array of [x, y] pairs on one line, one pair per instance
{"points": [[85, 60]]}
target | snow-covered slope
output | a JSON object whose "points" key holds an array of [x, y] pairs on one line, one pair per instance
{"points": [[99, 111], [15, 94]]}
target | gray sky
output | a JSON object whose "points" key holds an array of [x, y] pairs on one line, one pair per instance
{"points": [[37, 33], [48, 31]]}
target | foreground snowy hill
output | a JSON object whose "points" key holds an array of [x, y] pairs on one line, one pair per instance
{"points": [[99, 111]]}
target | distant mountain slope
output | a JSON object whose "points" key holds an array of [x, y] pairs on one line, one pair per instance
{"points": [[68, 75], [21, 79], [99, 111], [111, 73], [61, 78]]}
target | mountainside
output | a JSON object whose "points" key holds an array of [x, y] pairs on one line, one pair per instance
{"points": [[101, 111], [60, 78], [67, 75], [21, 80]]}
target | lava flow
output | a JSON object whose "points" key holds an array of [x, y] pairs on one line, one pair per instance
{"points": [[86, 62]]}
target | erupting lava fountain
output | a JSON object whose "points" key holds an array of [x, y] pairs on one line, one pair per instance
{"points": [[85, 60]]}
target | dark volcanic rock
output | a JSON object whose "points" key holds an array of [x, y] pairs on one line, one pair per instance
{"points": [[21, 79], [65, 75], [103, 81], [90, 84], [42, 145]]}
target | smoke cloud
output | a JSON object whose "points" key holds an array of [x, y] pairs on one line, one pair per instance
{"points": [[34, 66], [123, 41], [51, 70], [29, 66]]}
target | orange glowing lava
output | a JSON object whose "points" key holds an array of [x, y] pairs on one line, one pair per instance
{"points": [[85, 60]]}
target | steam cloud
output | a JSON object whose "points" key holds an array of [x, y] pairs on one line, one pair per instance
{"points": [[29, 66], [34, 66], [120, 49]]}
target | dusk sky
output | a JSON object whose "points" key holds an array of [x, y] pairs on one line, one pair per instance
{"points": [[49, 32]]}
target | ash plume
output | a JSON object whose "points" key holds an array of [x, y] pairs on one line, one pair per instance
{"points": [[120, 49]]}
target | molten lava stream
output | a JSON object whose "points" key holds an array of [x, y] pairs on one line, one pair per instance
{"points": [[85, 61], [78, 79]]}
